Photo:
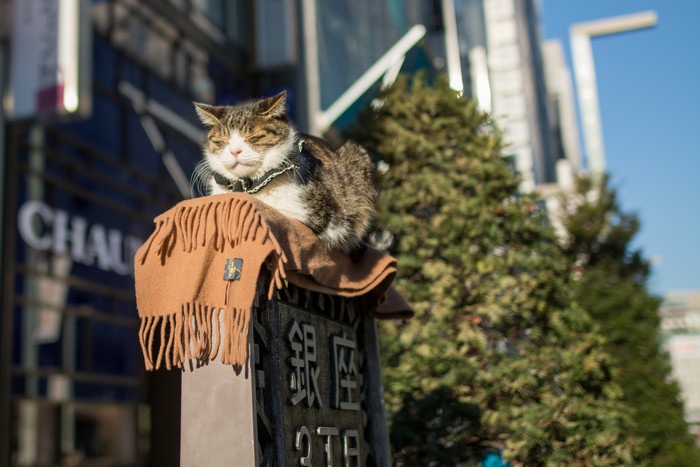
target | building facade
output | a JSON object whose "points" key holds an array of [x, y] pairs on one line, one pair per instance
{"points": [[504, 70], [83, 178], [680, 329], [97, 137]]}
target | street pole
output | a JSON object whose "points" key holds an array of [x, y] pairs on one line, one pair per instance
{"points": [[452, 56], [584, 72]]}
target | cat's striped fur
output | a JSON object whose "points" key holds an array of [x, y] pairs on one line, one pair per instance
{"points": [[333, 192]]}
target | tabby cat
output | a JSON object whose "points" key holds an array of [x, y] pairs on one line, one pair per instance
{"points": [[251, 147]]}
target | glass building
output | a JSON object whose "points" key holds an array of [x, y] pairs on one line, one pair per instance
{"points": [[79, 194], [92, 147]]}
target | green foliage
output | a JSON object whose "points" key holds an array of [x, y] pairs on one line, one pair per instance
{"points": [[612, 285], [435, 429], [495, 322]]}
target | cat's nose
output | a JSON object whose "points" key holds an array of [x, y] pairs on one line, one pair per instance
{"points": [[235, 152]]}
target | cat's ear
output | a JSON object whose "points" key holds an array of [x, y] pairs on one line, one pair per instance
{"points": [[210, 115], [275, 106]]}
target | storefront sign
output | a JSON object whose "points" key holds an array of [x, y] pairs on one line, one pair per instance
{"points": [[50, 67], [47, 229]]}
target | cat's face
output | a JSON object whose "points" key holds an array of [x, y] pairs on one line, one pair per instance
{"points": [[247, 139]]}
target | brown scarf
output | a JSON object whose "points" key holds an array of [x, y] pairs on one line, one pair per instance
{"points": [[200, 269]]}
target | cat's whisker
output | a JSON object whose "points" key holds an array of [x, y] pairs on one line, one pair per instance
{"points": [[200, 176], [194, 180], [296, 170]]}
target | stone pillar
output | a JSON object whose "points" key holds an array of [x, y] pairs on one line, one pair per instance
{"points": [[310, 395], [218, 422]]}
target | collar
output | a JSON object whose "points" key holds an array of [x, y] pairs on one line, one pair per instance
{"points": [[253, 185]]}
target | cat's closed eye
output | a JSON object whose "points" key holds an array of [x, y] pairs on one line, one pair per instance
{"points": [[256, 137]]}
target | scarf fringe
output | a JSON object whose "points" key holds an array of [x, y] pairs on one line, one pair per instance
{"points": [[235, 220], [197, 331], [200, 333]]}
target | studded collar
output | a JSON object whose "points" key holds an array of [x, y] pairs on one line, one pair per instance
{"points": [[251, 186]]}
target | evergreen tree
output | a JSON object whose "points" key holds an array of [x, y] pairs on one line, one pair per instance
{"points": [[496, 330], [612, 285]]}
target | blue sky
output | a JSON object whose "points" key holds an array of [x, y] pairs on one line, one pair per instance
{"points": [[649, 92]]}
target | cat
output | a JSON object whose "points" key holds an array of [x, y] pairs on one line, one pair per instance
{"points": [[252, 147]]}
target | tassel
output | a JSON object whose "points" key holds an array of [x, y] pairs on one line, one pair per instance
{"points": [[178, 350], [191, 227], [146, 342], [214, 350], [147, 246], [171, 338], [246, 225], [236, 214]]}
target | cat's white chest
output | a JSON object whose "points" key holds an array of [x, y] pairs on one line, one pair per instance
{"points": [[282, 194], [286, 197]]}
